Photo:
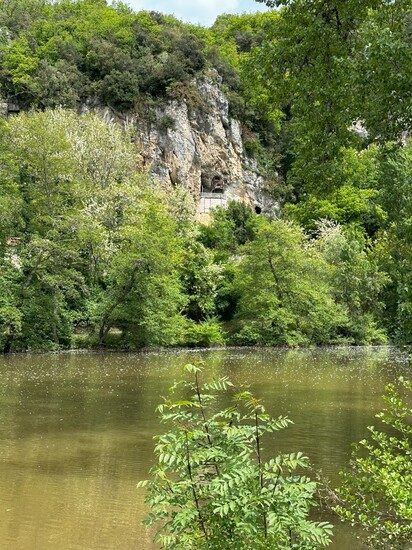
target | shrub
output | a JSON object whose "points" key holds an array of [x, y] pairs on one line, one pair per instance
{"points": [[205, 334], [356, 279], [189, 93], [376, 493], [166, 122], [231, 227], [120, 89], [252, 146], [211, 488], [285, 292]]}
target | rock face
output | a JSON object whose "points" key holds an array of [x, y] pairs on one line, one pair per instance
{"points": [[195, 146], [198, 146]]}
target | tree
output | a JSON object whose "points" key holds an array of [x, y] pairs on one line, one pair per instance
{"points": [[142, 292], [83, 246], [357, 281], [394, 240], [376, 491], [41, 246], [10, 313], [355, 199], [305, 57], [381, 66], [230, 227], [211, 488], [285, 292], [201, 279], [329, 64]]}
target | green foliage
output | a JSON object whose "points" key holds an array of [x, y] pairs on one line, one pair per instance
{"points": [[204, 334], [319, 88], [339, 72], [354, 199], [376, 492], [327, 64], [211, 487], [230, 227], [303, 56], [61, 53], [280, 287], [201, 279], [83, 248], [10, 314], [142, 289], [382, 64], [394, 244], [356, 281], [280, 303]]}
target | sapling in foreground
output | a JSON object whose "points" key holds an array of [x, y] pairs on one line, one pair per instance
{"points": [[211, 487]]}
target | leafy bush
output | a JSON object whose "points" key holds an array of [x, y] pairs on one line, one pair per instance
{"points": [[357, 281], [189, 93], [201, 278], [376, 493], [231, 226], [120, 89], [166, 122], [252, 145], [205, 334], [58, 53], [211, 488]]}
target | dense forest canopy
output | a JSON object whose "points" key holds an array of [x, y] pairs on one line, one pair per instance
{"points": [[92, 252]]}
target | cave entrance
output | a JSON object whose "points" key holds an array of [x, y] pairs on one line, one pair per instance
{"points": [[214, 184], [212, 192], [217, 184]]}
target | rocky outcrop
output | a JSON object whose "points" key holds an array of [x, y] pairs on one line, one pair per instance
{"points": [[195, 146]]}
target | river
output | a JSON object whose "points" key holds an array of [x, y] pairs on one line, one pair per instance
{"points": [[76, 431]]}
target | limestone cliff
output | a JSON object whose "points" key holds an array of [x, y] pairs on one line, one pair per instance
{"points": [[196, 146]]}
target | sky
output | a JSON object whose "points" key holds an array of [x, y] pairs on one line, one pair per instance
{"points": [[197, 11]]}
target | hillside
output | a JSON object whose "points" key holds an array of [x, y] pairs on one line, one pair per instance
{"points": [[178, 85], [122, 130]]}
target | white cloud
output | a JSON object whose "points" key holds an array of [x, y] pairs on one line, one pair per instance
{"points": [[196, 11]]}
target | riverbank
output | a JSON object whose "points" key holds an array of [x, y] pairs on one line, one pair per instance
{"points": [[404, 351]]}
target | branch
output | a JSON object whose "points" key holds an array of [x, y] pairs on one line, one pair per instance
{"points": [[189, 469], [257, 437], [199, 398]]}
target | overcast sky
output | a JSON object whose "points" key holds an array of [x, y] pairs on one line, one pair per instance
{"points": [[197, 11]]}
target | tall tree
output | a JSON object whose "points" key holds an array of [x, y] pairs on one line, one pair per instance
{"points": [[279, 302], [394, 243], [329, 64]]}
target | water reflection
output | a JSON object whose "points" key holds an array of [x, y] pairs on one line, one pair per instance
{"points": [[76, 431]]}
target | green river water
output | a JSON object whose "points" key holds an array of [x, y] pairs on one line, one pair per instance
{"points": [[76, 431]]}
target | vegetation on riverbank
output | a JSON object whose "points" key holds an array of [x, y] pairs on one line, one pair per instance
{"points": [[376, 491], [90, 246]]}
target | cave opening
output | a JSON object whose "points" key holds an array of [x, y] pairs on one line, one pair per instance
{"points": [[215, 184]]}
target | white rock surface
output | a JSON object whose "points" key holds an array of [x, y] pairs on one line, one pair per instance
{"points": [[201, 144], [191, 146]]}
